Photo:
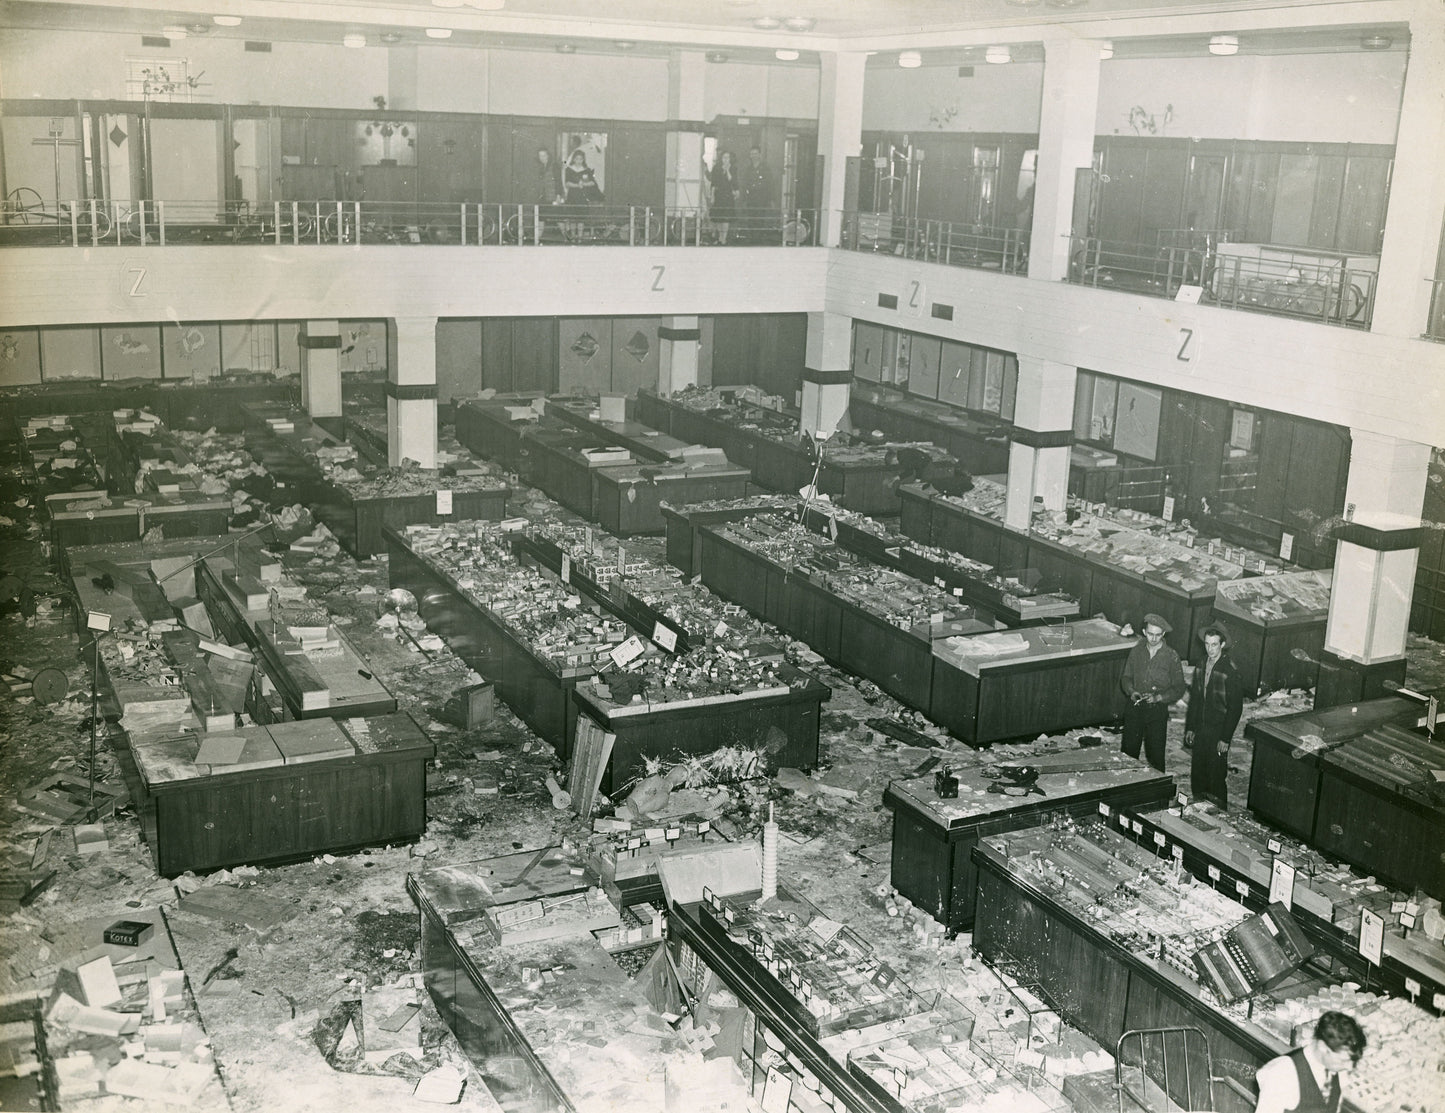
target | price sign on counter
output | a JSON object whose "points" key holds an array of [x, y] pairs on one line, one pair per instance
{"points": [[1168, 508], [1104, 810], [1286, 546], [665, 636], [1178, 851], [627, 652], [1213, 873], [1281, 883], [444, 502], [1159, 839], [1372, 936], [1274, 846], [1241, 888]]}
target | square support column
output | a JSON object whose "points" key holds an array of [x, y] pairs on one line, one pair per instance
{"points": [[1067, 118], [411, 391], [679, 339], [840, 136], [320, 344]]}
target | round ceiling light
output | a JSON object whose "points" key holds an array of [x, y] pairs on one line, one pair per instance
{"points": [[717, 57], [1376, 42], [1224, 45], [767, 23], [438, 32], [786, 55], [353, 41], [909, 59], [173, 32], [800, 23], [226, 20], [998, 56], [566, 48]]}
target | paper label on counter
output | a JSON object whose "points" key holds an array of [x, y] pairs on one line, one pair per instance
{"points": [[1177, 851], [1213, 873], [1168, 508], [1136, 827], [1104, 809], [1412, 987], [1183, 800], [627, 652], [1407, 920], [1242, 888], [1159, 838], [1274, 846], [1397, 906], [1372, 936], [665, 636], [1281, 883], [444, 502], [1286, 546]]}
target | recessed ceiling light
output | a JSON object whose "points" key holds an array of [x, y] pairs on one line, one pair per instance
{"points": [[226, 20], [998, 56], [799, 23], [353, 41], [173, 32], [786, 55], [1106, 50], [1376, 42], [1224, 44], [910, 59], [438, 32], [566, 48], [767, 23], [624, 44], [717, 57], [390, 37]]}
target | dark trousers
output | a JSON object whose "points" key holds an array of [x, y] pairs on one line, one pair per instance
{"points": [[1146, 723], [1208, 768]]}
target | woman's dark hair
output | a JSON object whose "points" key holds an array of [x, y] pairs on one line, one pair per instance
{"points": [[1339, 1031]]}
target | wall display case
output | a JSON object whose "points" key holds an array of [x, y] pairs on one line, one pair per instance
{"points": [[979, 441], [1357, 781], [933, 836]]}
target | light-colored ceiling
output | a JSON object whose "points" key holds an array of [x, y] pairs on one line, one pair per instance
{"points": [[948, 31]]}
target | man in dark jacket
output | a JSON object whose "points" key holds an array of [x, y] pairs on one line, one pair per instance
{"points": [[1153, 680], [1216, 700]]}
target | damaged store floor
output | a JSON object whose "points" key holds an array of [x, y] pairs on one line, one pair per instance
{"points": [[275, 959]]}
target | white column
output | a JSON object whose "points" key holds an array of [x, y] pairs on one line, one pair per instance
{"points": [[1374, 576], [1417, 188], [827, 372], [411, 391], [686, 84], [320, 343], [840, 135], [1066, 144], [1042, 436], [678, 343]]}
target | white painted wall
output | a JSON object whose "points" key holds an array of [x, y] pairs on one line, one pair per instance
{"points": [[995, 98], [743, 89]]}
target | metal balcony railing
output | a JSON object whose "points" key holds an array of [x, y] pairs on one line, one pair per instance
{"points": [[951, 243], [95, 223]]}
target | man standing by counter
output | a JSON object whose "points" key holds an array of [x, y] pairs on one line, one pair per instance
{"points": [[1153, 680], [1216, 700], [1307, 1080]]}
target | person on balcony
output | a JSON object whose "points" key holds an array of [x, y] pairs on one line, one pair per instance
{"points": [[759, 188], [723, 193]]}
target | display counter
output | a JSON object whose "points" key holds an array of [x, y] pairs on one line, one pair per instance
{"points": [[355, 499], [1276, 627], [300, 789], [980, 442], [1034, 680], [768, 443], [1109, 928], [627, 499], [643, 441], [683, 523], [1105, 560], [91, 517], [1358, 781], [553, 1025], [933, 836], [186, 403]]}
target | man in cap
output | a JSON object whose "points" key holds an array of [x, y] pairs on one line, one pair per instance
{"points": [[1153, 681], [1216, 700]]}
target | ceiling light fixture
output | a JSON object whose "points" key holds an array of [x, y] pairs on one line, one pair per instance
{"points": [[998, 56], [1376, 42], [353, 41], [800, 23], [624, 44], [767, 23], [786, 55], [1224, 45], [226, 20], [566, 48], [438, 32], [909, 59], [1106, 50], [717, 57], [173, 32], [391, 37]]}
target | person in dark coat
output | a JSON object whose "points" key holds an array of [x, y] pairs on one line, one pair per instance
{"points": [[1307, 1079], [1216, 700], [1153, 680], [723, 185]]}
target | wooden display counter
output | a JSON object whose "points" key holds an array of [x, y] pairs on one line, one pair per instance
{"points": [[768, 444], [933, 838], [93, 517], [980, 442], [1270, 619], [627, 499], [684, 523], [643, 441], [301, 789], [357, 513], [178, 403], [1100, 586], [1034, 680], [1356, 781]]}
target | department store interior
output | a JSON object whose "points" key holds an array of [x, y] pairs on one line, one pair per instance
{"points": [[721, 555]]}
